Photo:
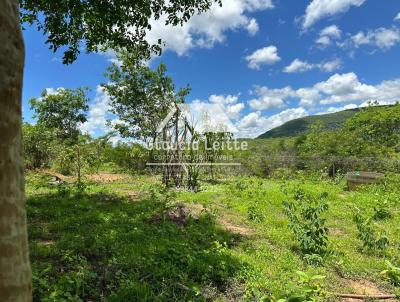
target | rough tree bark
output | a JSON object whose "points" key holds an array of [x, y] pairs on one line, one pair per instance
{"points": [[15, 273]]}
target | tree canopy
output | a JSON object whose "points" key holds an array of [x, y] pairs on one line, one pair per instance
{"points": [[140, 97], [98, 24], [62, 111]]}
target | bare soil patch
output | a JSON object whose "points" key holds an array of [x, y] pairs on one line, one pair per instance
{"points": [[105, 177], [46, 242], [56, 175], [336, 231], [367, 288], [134, 195], [242, 230]]}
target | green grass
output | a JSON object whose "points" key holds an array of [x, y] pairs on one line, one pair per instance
{"points": [[102, 246]]}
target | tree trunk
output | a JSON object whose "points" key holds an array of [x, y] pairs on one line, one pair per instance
{"points": [[15, 273]]}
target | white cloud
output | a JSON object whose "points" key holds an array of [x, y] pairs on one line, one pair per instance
{"points": [[338, 109], [331, 31], [330, 66], [300, 66], [223, 99], [264, 56], [98, 113], [229, 103], [255, 124], [284, 116], [328, 34], [53, 91], [253, 27], [251, 121], [383, 38], [323, 41], [270, 98], [397, 18], [343, 88], [387, 38], [319, 9], [308, 97], [354, 106], [208, 28], [338, 89]]}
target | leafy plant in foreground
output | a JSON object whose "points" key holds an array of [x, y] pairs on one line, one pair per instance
{"points": [[382, 212], [367, 235], [392, 273], [306, 222], [310, 290]]}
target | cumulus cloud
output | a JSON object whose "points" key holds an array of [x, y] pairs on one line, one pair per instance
{"points": [[255, 124], [331, 31], [354, 106], [330, 66], [308, 97], [302, 66], [98, 114], [328, 34], [338, 89], [217, 113], [270, 98], [252, 27], [397, 18], [338, 109], [382, 38], [264, 56], [319, 9], [298, 66], [53, 91], [229, 103], [208, 28], [344, 88]]}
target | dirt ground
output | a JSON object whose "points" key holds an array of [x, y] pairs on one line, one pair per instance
{"points": [[367, 288]]}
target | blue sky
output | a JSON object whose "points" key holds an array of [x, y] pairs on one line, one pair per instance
{"points": [[263, 61]]}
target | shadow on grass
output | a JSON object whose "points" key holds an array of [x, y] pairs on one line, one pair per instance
{"points": [[93, 249]]}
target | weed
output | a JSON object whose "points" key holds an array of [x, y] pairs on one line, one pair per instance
{"points": [[382, 212], [309, 290], [392, 273], [254, 213]]}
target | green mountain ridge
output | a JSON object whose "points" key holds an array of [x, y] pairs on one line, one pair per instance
{"points": [[302, 125]]}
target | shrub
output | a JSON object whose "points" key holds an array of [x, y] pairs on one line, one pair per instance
{"points": [[367, 235], [306, 222]]}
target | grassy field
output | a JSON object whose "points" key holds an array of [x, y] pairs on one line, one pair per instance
{"points": [[123, 240]]}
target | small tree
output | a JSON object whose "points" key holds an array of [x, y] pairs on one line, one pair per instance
{"points": [[140, 97], [306, 221], [38, 142], [63, 112]]}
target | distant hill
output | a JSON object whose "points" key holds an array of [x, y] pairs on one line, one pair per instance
{"points": [[301, 125]]}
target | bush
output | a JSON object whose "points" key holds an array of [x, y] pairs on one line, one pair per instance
{"points": [[367, 235], [306, 222]]}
